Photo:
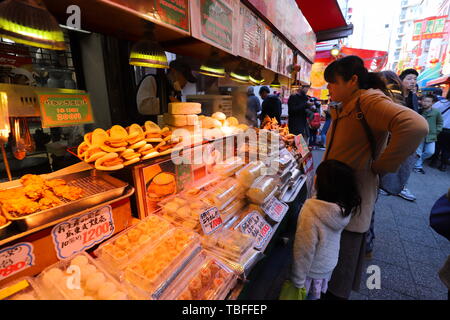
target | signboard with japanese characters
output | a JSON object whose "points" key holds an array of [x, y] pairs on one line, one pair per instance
{"points": [[275, 209], [255, 225], [81, 233], [15, 259], [429, 28], [251, 37], [210, 220]]}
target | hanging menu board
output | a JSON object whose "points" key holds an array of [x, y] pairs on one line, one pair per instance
{"points": [[252, 35], [171, 13], [215, 22]]}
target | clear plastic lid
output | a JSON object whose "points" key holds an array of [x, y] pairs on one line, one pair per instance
{"points": [[81, 278], [117, 251], [183, 212], [229, 167], [155, 268], [229, 243], [206, 278], [233, 208], [249, 173], [262, 188], [224, 193], [21, 289]]}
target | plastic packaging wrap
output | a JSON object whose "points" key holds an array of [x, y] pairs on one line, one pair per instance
{"points": [[153, 270], [59, 281], [21, 289], [262, 188], [117, 251], [206, 278], [229, 167], [249, 173], [230, 244], [226, 192], [233, 208]]}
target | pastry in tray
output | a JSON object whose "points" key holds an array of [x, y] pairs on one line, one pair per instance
{"points": [[37, 194]]}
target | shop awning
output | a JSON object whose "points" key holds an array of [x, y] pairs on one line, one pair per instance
{"points": [[326, 19], [442, 80], [374, 60]]}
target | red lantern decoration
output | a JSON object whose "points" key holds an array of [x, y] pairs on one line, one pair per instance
{"points": [[435, 60]]}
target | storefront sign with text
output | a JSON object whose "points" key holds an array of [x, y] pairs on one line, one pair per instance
{"points": [[15, 259], [65, 109], [81, 233]]}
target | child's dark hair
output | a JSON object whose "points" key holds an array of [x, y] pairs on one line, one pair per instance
{"points": [[431, 96], [336, 182], [349, 66]]}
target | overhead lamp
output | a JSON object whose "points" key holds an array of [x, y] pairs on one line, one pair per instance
{"points": [[296, 85], [240, 74], [335, 51], [30, 23], [213, 66], [276, 83], [256, 77], [148, 53]]}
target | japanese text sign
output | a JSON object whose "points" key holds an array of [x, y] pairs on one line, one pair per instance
{"points": [[15, 259], [255, 225], [210, 220], [275, 209]]}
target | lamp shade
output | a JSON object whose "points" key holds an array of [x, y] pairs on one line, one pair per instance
{"points": [[213, 67], [275, 83], [148, 53], [26, 22], [240, 74], [256, 77]]}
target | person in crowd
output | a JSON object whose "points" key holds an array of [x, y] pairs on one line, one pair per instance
{"points": [[314, 126], [320, 224], [324, 130], [298, 111], [409, 79], [253, 108], [443, 141], [396, 183], [435, 121], [358, 137], [271, 105]]}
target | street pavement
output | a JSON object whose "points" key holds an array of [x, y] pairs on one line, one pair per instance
{"points": [[408, 252]]}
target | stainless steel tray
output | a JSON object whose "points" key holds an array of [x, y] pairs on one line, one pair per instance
{"points": [[292, 192], [4, 229], [98, 187]]}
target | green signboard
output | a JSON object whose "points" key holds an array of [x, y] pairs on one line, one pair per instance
{"points": [[65, 109]]}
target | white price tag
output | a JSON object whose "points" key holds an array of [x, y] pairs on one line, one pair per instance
{"points": [[15, 259], [275, 209], [255, 225], [210, 220], [81, 233]]}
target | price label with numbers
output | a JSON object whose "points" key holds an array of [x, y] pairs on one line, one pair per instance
{"points": [[255, 225], [15, 259], [275, 209], [210, 220], [81, 233]]}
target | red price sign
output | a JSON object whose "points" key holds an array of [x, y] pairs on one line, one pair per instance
{"points": [[275, 209], [83, 232], [210, 220], [15, 259]]}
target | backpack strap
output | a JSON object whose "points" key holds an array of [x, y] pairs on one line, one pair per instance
{"points": [[369, 134]]}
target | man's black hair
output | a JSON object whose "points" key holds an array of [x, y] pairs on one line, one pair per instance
{"points": [[264, 89], [408, 71]]}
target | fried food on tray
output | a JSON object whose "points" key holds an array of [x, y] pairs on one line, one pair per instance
{"points": [[69, 192], [55, 183], [20, 206], [34, 191], [48, 201], [3, 220], [31, 179]]}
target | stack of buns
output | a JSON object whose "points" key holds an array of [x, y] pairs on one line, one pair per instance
{"points": [[119, 147], [218, 125]]}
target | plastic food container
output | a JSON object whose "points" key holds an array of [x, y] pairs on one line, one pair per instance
{"points": [[249, 173], [206, 278], [60, 281], [263, 188], [224, 193], [229, 243], [183, 212], [21, 289], [233, 208], [155, 269], [117, 251], [229, 167]]}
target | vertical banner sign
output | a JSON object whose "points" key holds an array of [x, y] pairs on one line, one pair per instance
{"points": [[212, 22], [251, 37], [65, 109], [15, 259], [255, 225], [83, 232]]}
